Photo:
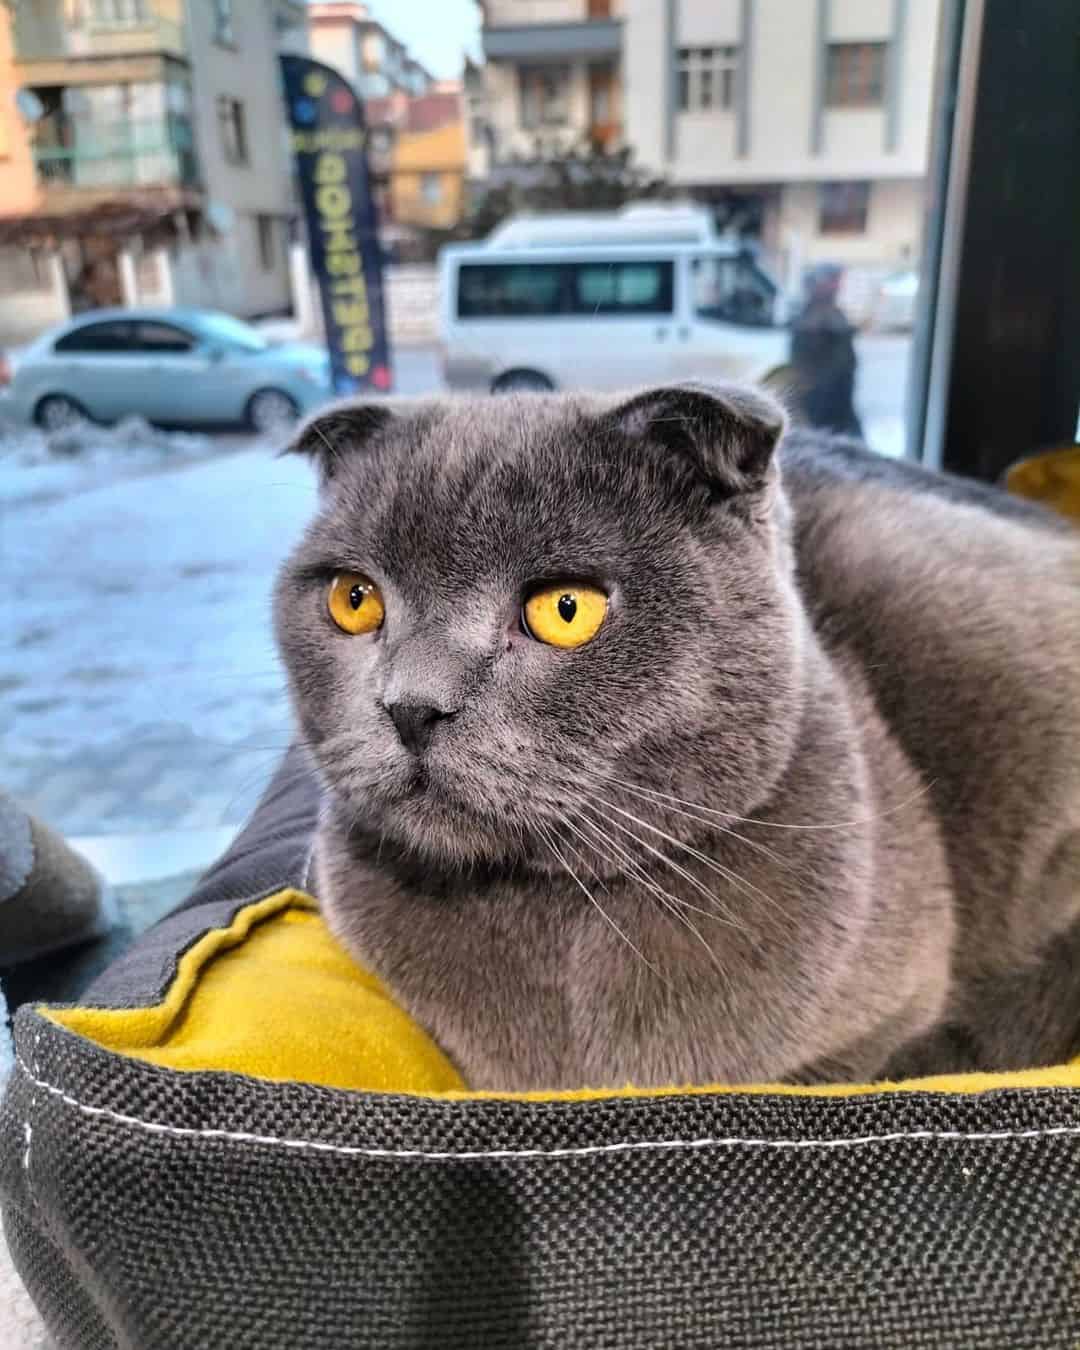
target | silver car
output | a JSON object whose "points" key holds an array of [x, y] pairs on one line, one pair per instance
{"points": [[173, 366]]}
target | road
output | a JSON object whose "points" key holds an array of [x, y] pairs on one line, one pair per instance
{"points": [[139, 686]]}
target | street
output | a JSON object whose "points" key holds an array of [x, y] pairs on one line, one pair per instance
{"points": [[139, 686]]}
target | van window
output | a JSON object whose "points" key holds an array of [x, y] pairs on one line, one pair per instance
{"points": [[623, 288], [509, 290], [515, 290], [732, 290]]}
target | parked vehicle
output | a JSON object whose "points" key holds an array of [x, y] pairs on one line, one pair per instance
{"points": [[172, 366], [894, 305], [607, 301]]}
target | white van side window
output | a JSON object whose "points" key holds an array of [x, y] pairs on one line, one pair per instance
{"points": [[517, 290]]}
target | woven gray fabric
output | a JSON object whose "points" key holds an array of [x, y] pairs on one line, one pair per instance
{"points": [[163, 1210], [352, 1219]]}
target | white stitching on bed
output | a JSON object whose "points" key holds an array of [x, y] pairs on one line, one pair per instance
{"points": [[584, 1151]]}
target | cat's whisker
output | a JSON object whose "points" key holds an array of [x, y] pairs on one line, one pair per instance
{"points": [[658, 798], [673, 904], [746, 887], [724, 915], [625, 859], [776, 824], [545, 835]]}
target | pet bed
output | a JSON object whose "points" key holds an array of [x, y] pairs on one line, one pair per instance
{"points": [[237, 1139]]}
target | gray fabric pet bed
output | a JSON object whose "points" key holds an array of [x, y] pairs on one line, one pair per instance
{"points": [[238, 1140]]}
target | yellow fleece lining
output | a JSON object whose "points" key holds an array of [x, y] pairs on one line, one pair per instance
{"points": [[274, 996]]}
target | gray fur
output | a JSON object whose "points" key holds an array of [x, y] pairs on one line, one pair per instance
{"points": [[874, 653]]}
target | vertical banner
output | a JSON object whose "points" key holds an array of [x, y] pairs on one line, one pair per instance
{"points": [[330, 150]]}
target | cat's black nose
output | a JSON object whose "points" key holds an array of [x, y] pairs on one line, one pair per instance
{"points": [[415, 722]]}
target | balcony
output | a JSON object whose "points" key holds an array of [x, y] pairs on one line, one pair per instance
{"points": [[131, 155], [41, 36], [590, 40]]}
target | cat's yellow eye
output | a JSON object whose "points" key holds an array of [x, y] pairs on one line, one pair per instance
{"points": [[355, 603], [568, 614]]}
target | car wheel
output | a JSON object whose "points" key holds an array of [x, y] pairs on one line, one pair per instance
{"points": [[57, 412], [522, 382], [270, 411]]}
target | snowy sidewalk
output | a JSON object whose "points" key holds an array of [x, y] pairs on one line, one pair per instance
{"points": [[139, 686]]}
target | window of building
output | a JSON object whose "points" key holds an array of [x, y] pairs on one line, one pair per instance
{"points": [[233, 130], [855, 75], [844, 208], [163, 339], [267, 253], [545, 96], [517, 290], [119, 13], [706, 77], [431, 188], [223, 22]]}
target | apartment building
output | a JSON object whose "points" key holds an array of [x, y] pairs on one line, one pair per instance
{"points": [[345, 35], [552, 77], [814, 113], [159, 151]]}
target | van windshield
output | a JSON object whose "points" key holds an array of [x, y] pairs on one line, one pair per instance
{"points": [[732, 290]]}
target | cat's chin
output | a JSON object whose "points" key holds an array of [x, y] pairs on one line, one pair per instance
{"points": [[424, 817]]}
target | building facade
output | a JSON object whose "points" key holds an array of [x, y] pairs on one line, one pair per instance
{"points": [[160, 155], [814, 112], [344, 35], [552, 77]]}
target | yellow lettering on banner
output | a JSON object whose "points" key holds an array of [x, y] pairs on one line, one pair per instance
{"points": [[329, 168], [333, 201], [339, 239], [357, 312], [342, 265], [357, 365], [360, 339], [330, 138], [353, 285]]}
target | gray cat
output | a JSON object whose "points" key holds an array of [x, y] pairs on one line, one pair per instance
{"points": [[645, 762]]}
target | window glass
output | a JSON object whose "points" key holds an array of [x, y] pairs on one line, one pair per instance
{"points": [[732, 290], [99, 339], [705, 78], [163, 338], [223, 328], [623, 288], [844, 208], [855, 75], [510, 290]]}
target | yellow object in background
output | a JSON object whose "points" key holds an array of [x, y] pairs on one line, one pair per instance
{"points": [[1052, 478]]}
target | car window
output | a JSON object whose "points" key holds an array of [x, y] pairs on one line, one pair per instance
{"points": [[732, 290], [223, 328], [163, 338], [519, 290], [510, 290], [623, 288], [98, 338]]}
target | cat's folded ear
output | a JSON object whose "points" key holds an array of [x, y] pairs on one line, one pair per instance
{"points": [[727, 432], [335, 434]]}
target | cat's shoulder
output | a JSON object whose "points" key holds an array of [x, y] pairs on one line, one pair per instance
{"points": [[820, 466]]}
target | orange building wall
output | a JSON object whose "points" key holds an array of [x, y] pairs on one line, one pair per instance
{"points": [[421, 156], [18, 186]]}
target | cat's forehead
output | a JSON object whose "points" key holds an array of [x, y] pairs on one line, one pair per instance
{"points": [[481, 486]]}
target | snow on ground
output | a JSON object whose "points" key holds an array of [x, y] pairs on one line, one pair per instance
{"points": [[139, 687], [36, 467]]}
